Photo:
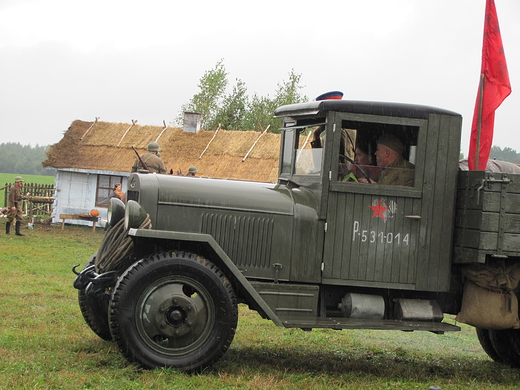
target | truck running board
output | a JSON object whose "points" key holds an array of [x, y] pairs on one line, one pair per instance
{"points": [[308, 323]]}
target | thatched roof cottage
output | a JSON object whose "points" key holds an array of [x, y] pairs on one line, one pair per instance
{"points": [[93, 156]]}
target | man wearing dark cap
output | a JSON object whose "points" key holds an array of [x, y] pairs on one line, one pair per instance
{"points": [[15, 206], [396, 170], [152, 160]]}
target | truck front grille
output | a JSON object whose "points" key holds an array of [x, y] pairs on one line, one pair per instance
{"points": [[246, 240]]}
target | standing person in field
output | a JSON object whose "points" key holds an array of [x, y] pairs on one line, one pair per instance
{"points": [[151, 159], [15, 206]]}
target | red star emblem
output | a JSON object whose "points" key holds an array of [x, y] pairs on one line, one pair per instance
{"points": [[378, 210]]}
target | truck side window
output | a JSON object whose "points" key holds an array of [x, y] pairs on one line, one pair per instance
{"points": [[384, 154]]}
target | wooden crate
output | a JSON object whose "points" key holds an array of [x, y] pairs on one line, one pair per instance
{"points": [[487, 219]]}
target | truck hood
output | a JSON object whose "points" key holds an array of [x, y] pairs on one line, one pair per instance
{"points": [[224, 194]]}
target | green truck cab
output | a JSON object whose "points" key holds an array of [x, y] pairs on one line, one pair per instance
{"points": [[327, 246]]}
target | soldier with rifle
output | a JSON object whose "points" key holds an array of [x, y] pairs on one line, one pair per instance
{"points": [[15, 206], [150, 161]]}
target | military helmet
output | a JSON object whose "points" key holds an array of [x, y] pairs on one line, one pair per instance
{"points": [[17, 179], [153, 147], [192, 169]]}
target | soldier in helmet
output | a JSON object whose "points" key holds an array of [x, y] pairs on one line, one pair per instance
{"points": [[151, 160], [15, 206], [192, 171]]}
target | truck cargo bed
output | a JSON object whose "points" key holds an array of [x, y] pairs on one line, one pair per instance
{"points": [[487, 220]]}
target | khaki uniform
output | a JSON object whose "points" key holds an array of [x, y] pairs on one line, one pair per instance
{"points": [[398, 173], [15, 200], [152, 161]]}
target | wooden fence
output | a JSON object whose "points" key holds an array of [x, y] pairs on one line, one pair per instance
{"points": [[38, 198]]}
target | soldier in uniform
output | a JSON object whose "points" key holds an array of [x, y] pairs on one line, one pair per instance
{"points": [[192, 171], [151, 159], [397, 171], [15, 206]]}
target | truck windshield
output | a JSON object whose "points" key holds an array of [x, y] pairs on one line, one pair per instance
{"points": [[297, 145], [308, 161]]}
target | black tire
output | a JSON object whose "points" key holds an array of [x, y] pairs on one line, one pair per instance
{"points": [[95, 311], [507, 345], [485, 341], [174, 310]]}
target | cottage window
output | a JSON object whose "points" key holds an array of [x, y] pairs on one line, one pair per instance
{"points": [[105, 185]]}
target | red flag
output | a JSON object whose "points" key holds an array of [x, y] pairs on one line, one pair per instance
{"points": [[493, 89]]}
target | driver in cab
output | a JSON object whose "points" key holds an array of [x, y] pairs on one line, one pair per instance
{"points": [[395, 170]]}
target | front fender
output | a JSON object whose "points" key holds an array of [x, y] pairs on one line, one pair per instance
{"points": [[229, 267]]}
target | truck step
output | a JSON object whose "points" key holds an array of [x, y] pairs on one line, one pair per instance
{"points": [[308, 323]]}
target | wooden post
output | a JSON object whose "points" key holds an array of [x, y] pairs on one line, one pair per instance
{"points": [[163, 130], [210, 141], [90, 128], [307, 140], [127, 130], [254, 143]]}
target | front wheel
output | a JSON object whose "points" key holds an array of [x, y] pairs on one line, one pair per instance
{"points": [[95, 310], [174, 310]]}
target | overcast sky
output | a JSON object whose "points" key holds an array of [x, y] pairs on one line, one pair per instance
{"points": [[63, 60]]}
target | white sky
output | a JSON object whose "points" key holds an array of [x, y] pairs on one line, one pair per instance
{"points": [[63, 60]]}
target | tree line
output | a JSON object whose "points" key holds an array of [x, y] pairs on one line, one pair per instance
{"points": [[506, 154], [23, 159]]}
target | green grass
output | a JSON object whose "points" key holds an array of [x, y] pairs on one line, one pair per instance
{"points": [[45, 343], [9, 178]]}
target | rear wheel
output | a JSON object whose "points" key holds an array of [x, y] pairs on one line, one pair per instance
{"points": [[95, 311], [173, 310], [507, 345], [485, 341]]}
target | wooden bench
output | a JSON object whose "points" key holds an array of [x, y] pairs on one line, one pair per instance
{"points": [[83, 217]]}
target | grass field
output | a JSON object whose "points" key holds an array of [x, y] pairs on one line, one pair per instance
{"points": [[45, 343], [9, 178]]}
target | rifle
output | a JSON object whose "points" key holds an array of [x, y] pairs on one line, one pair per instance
{"points": [[140, 160]]}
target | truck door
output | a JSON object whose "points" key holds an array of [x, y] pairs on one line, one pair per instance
{"points": [[383, 235]]}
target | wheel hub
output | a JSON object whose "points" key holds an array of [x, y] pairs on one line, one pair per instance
{"points": [[170, 314], [175, 316]]}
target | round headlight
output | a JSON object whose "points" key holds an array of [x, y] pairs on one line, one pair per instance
{"points": [[116, 211], [134, 215]]}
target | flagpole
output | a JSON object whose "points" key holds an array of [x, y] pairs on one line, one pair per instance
{"points": [[479, 120]]}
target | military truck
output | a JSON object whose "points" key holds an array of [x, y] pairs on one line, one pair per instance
{"points": [[327, 246]]}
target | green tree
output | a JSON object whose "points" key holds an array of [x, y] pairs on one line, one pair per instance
{"points": [[236, 111], [506, 154], [212, 89], [259, 113], [23, 159], [231, 115], [288, 91], [261, 109]]}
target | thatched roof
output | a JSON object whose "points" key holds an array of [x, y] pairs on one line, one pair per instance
{"points": [[108, 146]]}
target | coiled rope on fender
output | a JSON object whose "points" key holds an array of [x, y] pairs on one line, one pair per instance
{"points": [[117, 247]]}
